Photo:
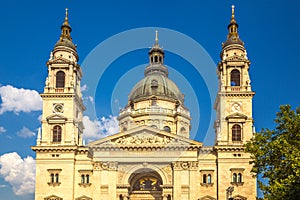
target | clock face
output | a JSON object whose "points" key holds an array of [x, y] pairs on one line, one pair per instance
{"points": [[58, 108], [236, 107]]}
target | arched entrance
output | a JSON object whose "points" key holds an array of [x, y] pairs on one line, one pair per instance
{"points": [[145, 184]]}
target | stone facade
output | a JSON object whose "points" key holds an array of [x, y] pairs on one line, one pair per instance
{"points": [[152, 157]]}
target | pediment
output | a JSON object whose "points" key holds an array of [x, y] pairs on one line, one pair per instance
{"points": [[59, 60], [144, 136], [83, 198], [239, 197], [207, 197], [236, 58], [236, 116], [53, 197], [56, 118]]}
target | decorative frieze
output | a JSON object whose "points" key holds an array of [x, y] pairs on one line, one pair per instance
{"points": [[105, 166], [185, 165]]}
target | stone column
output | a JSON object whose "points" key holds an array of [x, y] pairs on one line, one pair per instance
{"points": [[96, 180], [193, 176], [176, 180]]}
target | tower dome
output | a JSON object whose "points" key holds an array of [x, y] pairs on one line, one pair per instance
{"points": [[65, 39]]}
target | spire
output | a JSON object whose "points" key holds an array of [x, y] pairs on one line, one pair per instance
{"points": [[156, 58], [66, 28], [233, 26], [156, 37], [233, 36], [65, 38]]}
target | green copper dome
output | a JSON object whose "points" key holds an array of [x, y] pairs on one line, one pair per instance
{"points": [[157, 85]]}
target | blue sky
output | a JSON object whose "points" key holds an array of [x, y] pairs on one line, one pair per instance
{"points": [[29, 30]]}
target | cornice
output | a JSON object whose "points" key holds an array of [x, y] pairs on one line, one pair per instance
{"points": [[136, 148], [57, 149], [236, 94], [229, 148]]}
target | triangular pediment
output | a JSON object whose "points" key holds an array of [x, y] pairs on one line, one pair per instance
{"points": [[239, 197], [207, 197], [56, 118], [236, 58], [59, 60], [83, 198], [237, 116], [144, 136], [53, 197]]}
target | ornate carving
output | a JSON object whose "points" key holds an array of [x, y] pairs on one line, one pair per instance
{"points": [[185, 165], [105, 166], [168, 171], [147, 140], [52, 197]]}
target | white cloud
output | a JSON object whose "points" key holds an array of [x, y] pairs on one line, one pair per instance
{"points": [[88, 98], [95, 129], [84, 88], [19, 100], [18, 172], [25, 133], [2, 129]]}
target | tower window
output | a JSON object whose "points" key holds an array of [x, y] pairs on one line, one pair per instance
{"points": [[167, 129], [236, 133], [204, 178], [239, 177], [155, 59], [235, 77], [60, 79], [234, 178], [54, 177], [208, 178], [183, 130], [57, 134]]}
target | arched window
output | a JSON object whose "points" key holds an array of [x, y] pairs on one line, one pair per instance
{"points": [[60, 79], [56, 134], [87, 178], [82, 178], [236, 133], [167, 129], [239, 178], [183, 130], [204, 178], [155, 59], [52, 178], [56, 178], [235, 78], [234, 178], [208, 178]]}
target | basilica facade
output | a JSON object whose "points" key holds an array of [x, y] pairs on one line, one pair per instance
{"points": [[152, 156]]}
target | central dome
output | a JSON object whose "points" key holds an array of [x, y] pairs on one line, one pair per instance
{"points": [[156, 101], [157, 85], [156, 82]]}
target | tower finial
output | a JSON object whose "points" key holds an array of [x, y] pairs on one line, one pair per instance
{"points": [[232, 11], [66, 18], [156, 36]]}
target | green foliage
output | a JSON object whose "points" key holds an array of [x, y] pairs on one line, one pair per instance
{"points": [[276, 156]]}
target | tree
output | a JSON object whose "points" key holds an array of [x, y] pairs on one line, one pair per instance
{"points": [[276, 156]]}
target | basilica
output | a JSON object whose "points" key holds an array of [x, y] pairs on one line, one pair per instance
{"points": [[152, 157]]}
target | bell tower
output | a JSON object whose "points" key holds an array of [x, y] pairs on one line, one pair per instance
{"points": [[62, 98], [233, 104]]}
